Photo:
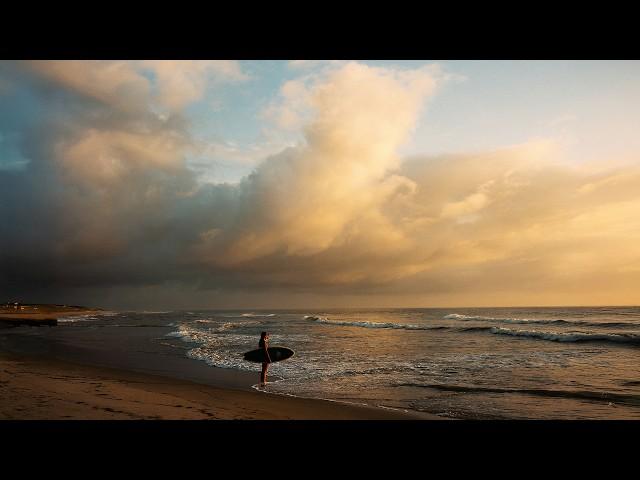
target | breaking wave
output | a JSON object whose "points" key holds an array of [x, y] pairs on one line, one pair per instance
{"points": [[627, 338], [196, 335], [539, 321], [400, 326], [189, 334], [225, 325]]}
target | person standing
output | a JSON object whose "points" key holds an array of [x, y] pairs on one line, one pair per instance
{"points": [[264, 345]]}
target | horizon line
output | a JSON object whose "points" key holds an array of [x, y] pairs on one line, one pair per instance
{"points": [[401, 308]]}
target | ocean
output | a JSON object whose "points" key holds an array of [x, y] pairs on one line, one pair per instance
{"points": [[463, 363]]}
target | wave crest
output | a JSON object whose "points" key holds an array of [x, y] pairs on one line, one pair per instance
{"points": [[570, 336], [364, 324], [539, 321]]}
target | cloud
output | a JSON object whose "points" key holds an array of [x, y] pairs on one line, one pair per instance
{"points": [[181, 82], [110, 200], [127, 85], [308, 195], [291, 107], [114, 83]]}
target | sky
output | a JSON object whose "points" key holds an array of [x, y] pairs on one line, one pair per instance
{"points": [[295, 184]]}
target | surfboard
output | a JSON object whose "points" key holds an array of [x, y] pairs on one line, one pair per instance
{"points": [[277, 354]]}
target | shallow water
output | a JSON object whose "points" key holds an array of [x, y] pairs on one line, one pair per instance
{"points": [[500, 363]]}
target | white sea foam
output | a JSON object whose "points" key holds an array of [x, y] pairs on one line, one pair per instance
{"points": [[221, 327], [219, 359], [190, 334], [77, 318], [86, 317], [456, 316]]}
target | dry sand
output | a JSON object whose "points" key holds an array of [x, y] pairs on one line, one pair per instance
{"points": [[43, 389]]}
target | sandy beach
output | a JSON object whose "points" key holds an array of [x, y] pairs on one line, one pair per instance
{"points": [[47, 389], [36, 385]]}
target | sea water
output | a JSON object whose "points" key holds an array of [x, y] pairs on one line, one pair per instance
{"points": [[480, 363]]}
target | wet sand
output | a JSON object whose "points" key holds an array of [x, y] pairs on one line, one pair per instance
{"points": [[37, 388]]}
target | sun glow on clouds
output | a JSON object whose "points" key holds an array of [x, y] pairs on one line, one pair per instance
{"points": [[341, 212], [308, 195]]}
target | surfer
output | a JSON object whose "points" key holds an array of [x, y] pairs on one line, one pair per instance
{"points": [[264, 345]]}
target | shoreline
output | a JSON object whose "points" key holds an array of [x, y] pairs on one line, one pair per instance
{"points": [[43, 388], [37, 382]]}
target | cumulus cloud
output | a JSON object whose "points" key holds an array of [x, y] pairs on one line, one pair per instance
{"points": [[109, 199], [308, 195]]}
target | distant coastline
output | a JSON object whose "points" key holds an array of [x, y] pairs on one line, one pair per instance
{"points": [[39, 314]]}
